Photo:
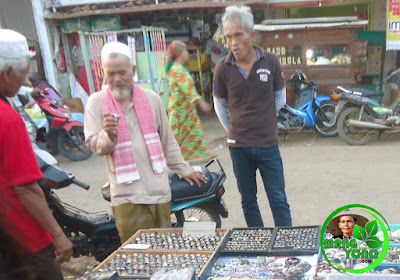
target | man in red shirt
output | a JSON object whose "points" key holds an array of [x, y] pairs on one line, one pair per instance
{"points": [[24, 214]]}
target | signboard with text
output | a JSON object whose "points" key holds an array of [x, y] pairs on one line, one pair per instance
{"points": [[287, 55], [393, 25]]}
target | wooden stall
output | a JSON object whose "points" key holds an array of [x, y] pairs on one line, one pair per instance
{"points": [[323, 48]]}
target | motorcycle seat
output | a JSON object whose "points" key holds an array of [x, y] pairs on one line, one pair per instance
{"points": [[304, 97], [377, 96], [181, 190]]}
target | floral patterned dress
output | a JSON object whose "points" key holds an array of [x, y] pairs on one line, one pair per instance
{"points": [[183, 116]]}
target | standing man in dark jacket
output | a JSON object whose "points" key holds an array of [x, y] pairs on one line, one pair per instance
{"points": [[249, 88], [24, 213]]}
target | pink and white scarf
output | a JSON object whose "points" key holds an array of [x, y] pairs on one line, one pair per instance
{"points": [[124, 160]]}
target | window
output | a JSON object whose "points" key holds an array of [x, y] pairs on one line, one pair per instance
{"points": [[328, 55]]}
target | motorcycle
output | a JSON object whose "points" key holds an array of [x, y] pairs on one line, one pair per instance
{"points": [[65, 133], [309, 110], [360, 112], [92, 234], [193, 204], [96, 233]]}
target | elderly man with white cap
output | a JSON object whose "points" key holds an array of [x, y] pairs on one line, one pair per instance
{"points": [[129, 125], [24, 213]]}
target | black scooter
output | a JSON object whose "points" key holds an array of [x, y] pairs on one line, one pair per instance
{"points": [[96, 233]]}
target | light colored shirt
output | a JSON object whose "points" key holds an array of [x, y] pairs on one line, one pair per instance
{"points": [[151, 188]]}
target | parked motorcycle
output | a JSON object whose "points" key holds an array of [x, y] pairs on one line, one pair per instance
{"points": [[360, 113], [194, 204], [65, 133], [309, 110], [96, 233]]}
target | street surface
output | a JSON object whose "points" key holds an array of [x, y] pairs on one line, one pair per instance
{"points": [[321, 175]]}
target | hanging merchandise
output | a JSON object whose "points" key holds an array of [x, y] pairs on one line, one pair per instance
{"points": [[60, 60], [77, 60], [112, 37], [150, 54], [58, 57], [96, 44]]}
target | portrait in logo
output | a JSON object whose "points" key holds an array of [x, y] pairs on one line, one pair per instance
{"points": [[354, 239], [342, 226]]}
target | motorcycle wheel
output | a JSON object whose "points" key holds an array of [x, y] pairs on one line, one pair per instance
{"points": [[197, 213], [67, 146], [322, 127], [353, 135]]}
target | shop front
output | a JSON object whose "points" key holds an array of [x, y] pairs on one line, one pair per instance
{"points": [[322, 48], [146, 26]]}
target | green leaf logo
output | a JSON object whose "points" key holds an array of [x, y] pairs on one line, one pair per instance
{"points": [[359, 233], [372, 227], [373, 242], [368, 234]]}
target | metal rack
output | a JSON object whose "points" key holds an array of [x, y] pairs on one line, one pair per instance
{"points": [[154, 48]]}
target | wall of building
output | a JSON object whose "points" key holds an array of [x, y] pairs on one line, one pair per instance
{"points": [[18, 16], [379, 20], [20, 19]]}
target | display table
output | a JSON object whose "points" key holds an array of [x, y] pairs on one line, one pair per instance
{"points": [[239, 253]]}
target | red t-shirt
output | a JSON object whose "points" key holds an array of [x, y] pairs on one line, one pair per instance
{"points": [[18, 166]]}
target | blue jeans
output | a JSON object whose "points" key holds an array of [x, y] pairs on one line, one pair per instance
{"points": [[246, 161]]}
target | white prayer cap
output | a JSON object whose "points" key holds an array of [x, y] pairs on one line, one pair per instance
{"points": [[116, 47], [13, 44]]}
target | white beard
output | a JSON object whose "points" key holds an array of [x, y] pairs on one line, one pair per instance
{"points": [[121, 94]]}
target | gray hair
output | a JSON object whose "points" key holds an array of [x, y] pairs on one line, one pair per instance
{"points": [[17, 64], [241, 12]]}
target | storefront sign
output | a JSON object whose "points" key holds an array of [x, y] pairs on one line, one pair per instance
{"points": [[393, 25], [284, 57]]}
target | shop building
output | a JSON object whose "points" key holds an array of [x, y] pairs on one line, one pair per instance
{"points": [[70, 33]]}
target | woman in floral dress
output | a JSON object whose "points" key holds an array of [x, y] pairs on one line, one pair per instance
{"points": [[183, 102]]}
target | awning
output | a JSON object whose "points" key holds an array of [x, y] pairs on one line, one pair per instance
{"points": [[262, 27], [142, 6], [296, 3]]}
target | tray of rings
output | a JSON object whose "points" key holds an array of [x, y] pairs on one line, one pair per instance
{"points": [[302, 240], [174, 240], [223, 267], [133, 264], [251, 241]]}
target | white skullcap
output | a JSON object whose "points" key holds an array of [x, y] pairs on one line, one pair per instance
{"points": [[13, 44], [116, 47]]}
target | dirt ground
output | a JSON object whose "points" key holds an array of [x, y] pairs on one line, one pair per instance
{"points": [[321, 174]]}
